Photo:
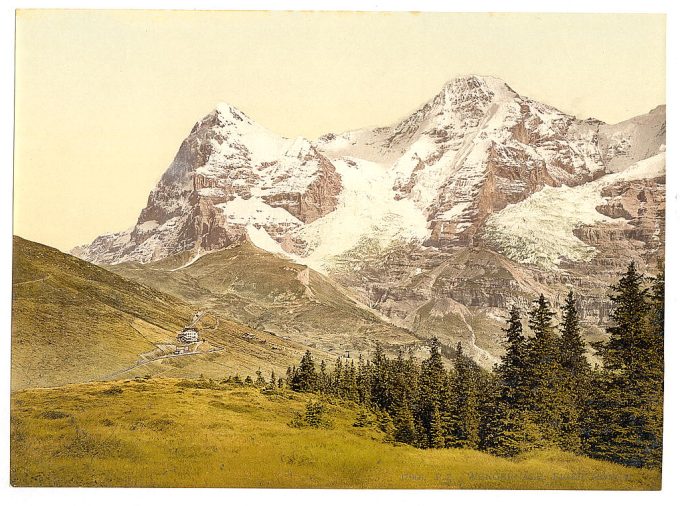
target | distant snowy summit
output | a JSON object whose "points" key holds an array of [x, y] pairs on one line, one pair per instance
{"points": [[477, 165]]}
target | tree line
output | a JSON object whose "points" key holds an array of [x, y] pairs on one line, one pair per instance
{"points": [[544, 393]]}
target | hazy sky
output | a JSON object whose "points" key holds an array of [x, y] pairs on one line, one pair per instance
{"points": [[104, 98]]}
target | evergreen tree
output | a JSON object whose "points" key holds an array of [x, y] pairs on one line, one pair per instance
{"points": [[362, 418], [436, 431], [363, 382], [514, 368], [544, 372], [379, 379], [386, 425], [575, 380], [572, 347], [404, 427], [464, 398], [626, 411], [304, 378], [431, 389], [336, 378], [260, 381], [504, 430], [323, 379], [625, 351]]}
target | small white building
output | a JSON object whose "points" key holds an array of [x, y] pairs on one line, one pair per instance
{"points": [[188, 335]]}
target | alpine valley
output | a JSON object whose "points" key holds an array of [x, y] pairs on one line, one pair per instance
{"points": [[480, 199]]}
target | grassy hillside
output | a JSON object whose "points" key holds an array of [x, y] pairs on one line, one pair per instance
{"points": [[177, 433], [268, 292], [73, 322]]}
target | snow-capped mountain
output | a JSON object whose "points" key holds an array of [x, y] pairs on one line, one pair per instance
{"points": [[435, 177], [548, 195]]}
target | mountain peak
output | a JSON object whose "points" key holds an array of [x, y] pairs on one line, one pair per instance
{"points": [[228, 113], [474, 84]]}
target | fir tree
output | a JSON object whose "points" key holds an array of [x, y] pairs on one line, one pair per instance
{"points": [[575, 380], [304, 378], [625, 351], [362, 419], [436, 431], [464, 400], [514, 367], [544, 372], [626, 411], [260, 381], [404, 427], [431, 389], [506, 411], [379, 379], [572, 347]]}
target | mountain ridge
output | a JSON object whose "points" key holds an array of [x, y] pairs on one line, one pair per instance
{"points": [[477, 174]]}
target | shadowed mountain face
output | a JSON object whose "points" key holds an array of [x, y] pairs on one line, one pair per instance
{"points": [[74, 322], [479, 199]]}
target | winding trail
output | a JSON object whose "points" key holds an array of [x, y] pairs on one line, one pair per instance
{"points": [[32, 281], [162, 357]]}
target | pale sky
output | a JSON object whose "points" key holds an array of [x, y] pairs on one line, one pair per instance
{"points": [[104, 98]]}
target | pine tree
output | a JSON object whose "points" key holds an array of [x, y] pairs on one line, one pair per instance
{"points": [[379, 379], [504, 430], [544, 372], [304, 378], [450, 414], [404, 427], [514, 367], [386, 425], [260, 381], [323, 379], [432, 383], [625, 412], [362, 419], [436, 431], [625, 351], [465, 401], [574, 381], [363, 382], [513, 431], [572, 347], [336, 378]]}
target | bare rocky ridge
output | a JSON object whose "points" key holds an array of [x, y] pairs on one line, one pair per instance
{"points": [[479, 199]]}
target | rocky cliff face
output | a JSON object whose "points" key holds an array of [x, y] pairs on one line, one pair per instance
{"points": [[229, 173], [479, 199]]}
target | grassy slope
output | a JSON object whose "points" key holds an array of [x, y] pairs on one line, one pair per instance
{"points": [[263, 290], [166, 433], [73, 322]]}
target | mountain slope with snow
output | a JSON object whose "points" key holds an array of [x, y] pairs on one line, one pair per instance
{"points": [[539, 197]]}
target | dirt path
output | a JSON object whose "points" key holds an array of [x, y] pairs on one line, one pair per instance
{"points": [[32, 281], [162, 357]]}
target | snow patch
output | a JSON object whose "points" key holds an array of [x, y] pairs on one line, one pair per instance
{"points": [[366, 209], [260, 238], [254, 211]]}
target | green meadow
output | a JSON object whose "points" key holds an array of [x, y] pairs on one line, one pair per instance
{"points": [[184, 433]]}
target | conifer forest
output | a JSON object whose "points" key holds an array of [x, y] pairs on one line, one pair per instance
{"points": [[545, 392]]}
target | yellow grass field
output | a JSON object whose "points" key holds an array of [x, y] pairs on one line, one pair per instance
{"points": [[179, 433]]}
